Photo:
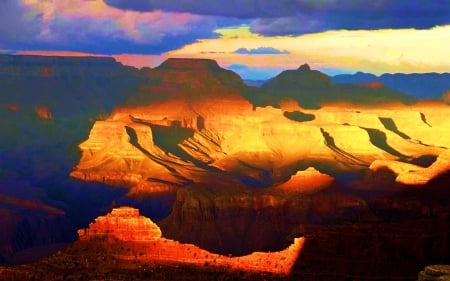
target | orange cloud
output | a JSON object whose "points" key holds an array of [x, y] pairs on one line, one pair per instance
{"points": [[58, 54]]}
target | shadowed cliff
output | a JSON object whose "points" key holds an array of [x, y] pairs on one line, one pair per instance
{"points": [[418, 85], [312, 88]]}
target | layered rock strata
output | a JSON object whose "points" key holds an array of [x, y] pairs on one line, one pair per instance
{"points": [[410, 174], [126, 224], [435, 273]]}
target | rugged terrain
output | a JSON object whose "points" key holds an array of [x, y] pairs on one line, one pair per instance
{"points": [[244, 171], [228, 168], [47, 106], [418, 85]]}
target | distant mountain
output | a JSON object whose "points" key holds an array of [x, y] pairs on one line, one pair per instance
{"points": [[420, 86], [186, 78], [311, 88], [66, 85], [254, 83], [47, 104]]}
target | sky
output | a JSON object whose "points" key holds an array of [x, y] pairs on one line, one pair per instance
{"points": [[255, 38]]}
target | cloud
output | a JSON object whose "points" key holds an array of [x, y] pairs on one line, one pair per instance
{"points": [[260, 51], [244, 9], [92, 26], [293, 17], [375, 51], [17, 22], [288, 25], [392, 17]]}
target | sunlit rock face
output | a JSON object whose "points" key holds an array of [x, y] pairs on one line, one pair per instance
{"points": [[123, 223], [180, 142], [126, 225], [307, 180], [411, 174], [234, 168], [197, 128], [435, 272]]}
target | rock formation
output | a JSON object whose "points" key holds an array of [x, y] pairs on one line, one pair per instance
{"points": [[307, 180], [235, 168], [127, 225], [312, 88], [43, 112], [235, 177], [176, 142], [435, 273], [47, 106], [418, 85], [123, 223], [410, 174]]}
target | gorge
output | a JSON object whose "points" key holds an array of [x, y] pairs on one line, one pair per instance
{"points": [[223, 167]]}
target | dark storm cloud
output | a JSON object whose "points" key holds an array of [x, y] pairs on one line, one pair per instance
{"points": [[290, 17], [17, 23], [27, 27]]}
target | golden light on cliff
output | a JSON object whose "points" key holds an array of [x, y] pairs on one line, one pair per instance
{"points": [[125, 224]]}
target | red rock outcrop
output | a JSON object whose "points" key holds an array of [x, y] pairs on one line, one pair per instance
{"points": [[43, 112], [191, 79], [126, 224], [123, 223], [12, 107], [373, 85], [309, 180]]}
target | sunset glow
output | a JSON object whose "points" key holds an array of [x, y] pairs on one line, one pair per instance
{"points": [[254, 45]]}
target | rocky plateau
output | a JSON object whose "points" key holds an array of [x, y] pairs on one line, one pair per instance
{"points": [[356, 177]]}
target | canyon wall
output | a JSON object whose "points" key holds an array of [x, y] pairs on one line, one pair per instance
{"points": [[127, 225]]}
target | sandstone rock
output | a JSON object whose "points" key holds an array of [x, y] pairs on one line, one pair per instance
{"points": [[181, 140], [123, 223], [312, 88], [410, 174], [309, 180], [435, 273], [127, 225], [43, 112]]}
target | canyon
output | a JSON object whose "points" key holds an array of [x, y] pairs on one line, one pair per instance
{"points": [[218, 168], [126, 224]]}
